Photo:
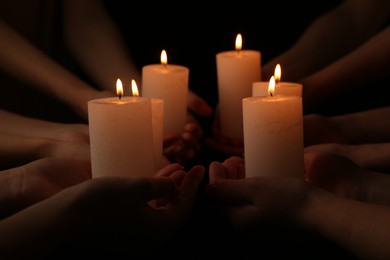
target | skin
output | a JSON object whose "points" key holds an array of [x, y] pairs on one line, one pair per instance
{"points": [[359, 226], [356, 37], [92, 39], [116, 208]]}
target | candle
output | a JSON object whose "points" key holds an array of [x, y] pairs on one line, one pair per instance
{"points": [[157, 125], [236, 71], [260, 88], [121, 136], [273, 135], [158, 131], [168, 82]]}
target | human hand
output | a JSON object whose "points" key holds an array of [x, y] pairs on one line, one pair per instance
{"points": [[371, 156], [118, 208], [222, 144], [183, 148], [28, 184], [343, 177], [252, 203], [321, 129]]}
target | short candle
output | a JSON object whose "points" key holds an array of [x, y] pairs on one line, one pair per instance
{"points": [[260, 88], [273, 135], [121, 136]]}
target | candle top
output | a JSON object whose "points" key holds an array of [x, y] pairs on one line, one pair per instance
{"points": [[116, 100], [274, 98], [166, 68], [239, 54]]}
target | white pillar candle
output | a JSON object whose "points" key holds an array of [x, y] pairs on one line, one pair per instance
{"points": [[260, 88], [281, 87], [273, 136], [121, 136], [236, 71], [168, 82], [158, 131]]}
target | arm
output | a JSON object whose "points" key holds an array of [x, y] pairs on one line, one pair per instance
{"points": [[357, 68], [77, 214], [361, 228], [24, 61], [97, 43], [331, 36], [15, 124], [370, 126]]}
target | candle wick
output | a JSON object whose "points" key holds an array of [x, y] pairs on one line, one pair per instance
{"points": [[120, 96], [271, 94]]}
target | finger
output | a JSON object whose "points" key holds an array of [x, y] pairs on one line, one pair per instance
{"points": [[193, 129], [217, 172], [198, 105], [190, 185], [235, 167], [171, 139], [168, 169]]}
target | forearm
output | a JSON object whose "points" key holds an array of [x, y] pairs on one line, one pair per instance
{"points": [[15, 124], [338, 32], [27, 63], [358, 68], [18, 150], [361, 228], [95, 41]]}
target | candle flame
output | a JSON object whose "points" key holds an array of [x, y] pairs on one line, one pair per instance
{"points": [[278, 73], [238, 42], [134, 88], [271, 86], [119, 88], [164, 57]]}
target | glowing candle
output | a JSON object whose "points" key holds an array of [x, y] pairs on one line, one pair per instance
{"points": [[260, 88], [168, 82], [236, 71], [273, 135], [121, 135]]}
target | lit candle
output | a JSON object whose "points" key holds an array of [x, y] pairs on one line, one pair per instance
{"points": [[236, 71], [168, 82], [273, 135], [157, 124], [121, 135], [260, 88]]}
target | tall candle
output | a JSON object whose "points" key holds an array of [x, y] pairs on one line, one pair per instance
{"points": [[273, 135], [260, 88], [121, 136], [236, 71], [168, 82]]}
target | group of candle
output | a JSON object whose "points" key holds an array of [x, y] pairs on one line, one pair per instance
{"points": [[126, 133]]}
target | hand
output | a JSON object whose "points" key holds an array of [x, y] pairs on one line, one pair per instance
{"points": [[371, 156], [28, 184], [119, 209], [183, 148], [320, 129], [343, 177], [251, 203]]}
